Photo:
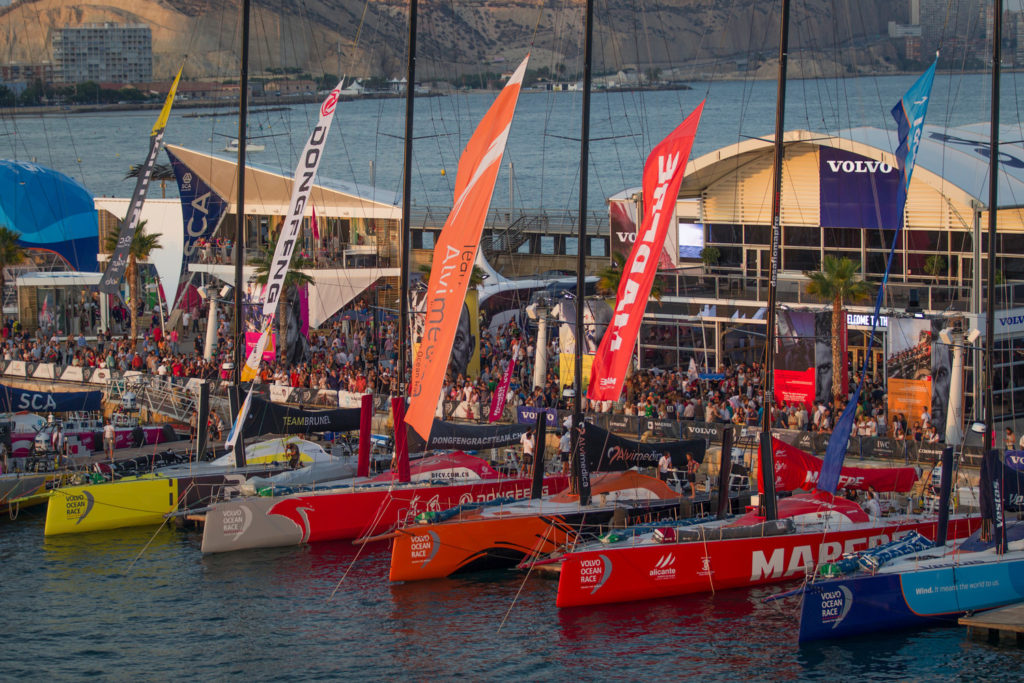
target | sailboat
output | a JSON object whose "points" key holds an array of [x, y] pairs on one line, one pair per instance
{"points": [[938, 584], [369, 506], [784, 538], [492, 537]]}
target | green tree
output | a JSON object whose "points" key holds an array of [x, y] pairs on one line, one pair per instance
{"points": [[709, 257], [935, 265], [142, 246], [294, 278], [161, 172], [610, 276], [837, 280], [11, 253]]}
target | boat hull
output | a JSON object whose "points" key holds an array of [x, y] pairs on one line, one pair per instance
{"points": [[843, 607], [256, 522], [27, 489], [133, 502], [643, 572], [434, 551]]}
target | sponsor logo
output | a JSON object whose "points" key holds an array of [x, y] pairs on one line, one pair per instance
{"points": [[307, 420], [594, 572], [37, 402], [79, 505], [1012, 320], [801, 559], [424, 547], [186, 181], [835, 605], [625, 236], [327, 108], [664, 568], [862, 166], [236, 521], [705, 567]]}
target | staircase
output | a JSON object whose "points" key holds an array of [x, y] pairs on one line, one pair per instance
{"points": [[162, 397], [507, 239]]}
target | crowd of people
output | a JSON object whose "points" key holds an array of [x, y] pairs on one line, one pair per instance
{"points": [[354, 352]]}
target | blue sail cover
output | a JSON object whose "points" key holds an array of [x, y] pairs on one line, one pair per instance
{"points": [[909, 113], [51, 211]]}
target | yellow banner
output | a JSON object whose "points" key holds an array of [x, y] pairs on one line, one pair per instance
{"points": [[165, 113], [567, 369]]}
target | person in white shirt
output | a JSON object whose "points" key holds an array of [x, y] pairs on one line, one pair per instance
{"points": [[528, 443], [665, 466], [564, 446], [108, 439], [872, 507]]}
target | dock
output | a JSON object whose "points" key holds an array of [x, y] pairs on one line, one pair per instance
{"points": [[1005, 624]]}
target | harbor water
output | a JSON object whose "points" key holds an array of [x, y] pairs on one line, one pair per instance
{"points": [[145, 604]]}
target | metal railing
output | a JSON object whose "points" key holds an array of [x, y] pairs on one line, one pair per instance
{"points": [[727, 284]]}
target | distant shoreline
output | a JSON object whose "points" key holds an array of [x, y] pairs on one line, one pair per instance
{"points": [[262, 102]]}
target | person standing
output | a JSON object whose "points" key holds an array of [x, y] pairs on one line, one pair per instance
{"points": [[564, 447], [529, 444], [665, 466], [108, 439]]}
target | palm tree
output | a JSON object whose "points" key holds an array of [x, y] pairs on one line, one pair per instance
{"points": [[294, 278], [610, 276], [11, 253], [143, 244], [837, 280], [161, 172]]}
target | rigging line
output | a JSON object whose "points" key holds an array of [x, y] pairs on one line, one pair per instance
{"points": [[522, 585], [158, 530]]}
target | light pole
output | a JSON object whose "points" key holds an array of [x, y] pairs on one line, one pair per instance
{"points": [[540, 364]]}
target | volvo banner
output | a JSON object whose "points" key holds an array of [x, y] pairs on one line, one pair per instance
{"points": [[857, 192]]}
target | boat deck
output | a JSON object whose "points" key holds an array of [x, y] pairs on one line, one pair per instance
{"points": [[1004, 624]]}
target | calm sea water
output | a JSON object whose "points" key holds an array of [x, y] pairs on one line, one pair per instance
{"points": [[82, 606], [97, 149]]}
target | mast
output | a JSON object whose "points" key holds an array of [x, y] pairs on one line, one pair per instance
{"points": [[993, 205], [236, 328], [767, 464], [403, 230], [581, 259]]}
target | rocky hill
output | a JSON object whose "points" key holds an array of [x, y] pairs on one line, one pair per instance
{"points": [[695, 37]]}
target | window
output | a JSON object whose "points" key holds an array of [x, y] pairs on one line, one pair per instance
{"points": [[801, 259], [547, 244], [598, 246], [571, 246], [725, 234], [801, 236], [843, 238], [759, 234]]}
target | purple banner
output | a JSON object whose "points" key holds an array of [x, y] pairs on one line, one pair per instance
{"points": [[857, 192]]}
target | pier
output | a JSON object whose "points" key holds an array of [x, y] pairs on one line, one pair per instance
{"points": [[1005, 625]]}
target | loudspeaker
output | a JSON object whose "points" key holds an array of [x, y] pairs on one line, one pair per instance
{"points": [[914, 301]]}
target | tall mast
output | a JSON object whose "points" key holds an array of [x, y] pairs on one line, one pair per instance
{"points": [[767, 464], [403, 231], [236, 327], [993, 205], [581, 250]]}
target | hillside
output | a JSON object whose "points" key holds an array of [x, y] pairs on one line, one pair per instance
{"points": [[469, 36]]}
